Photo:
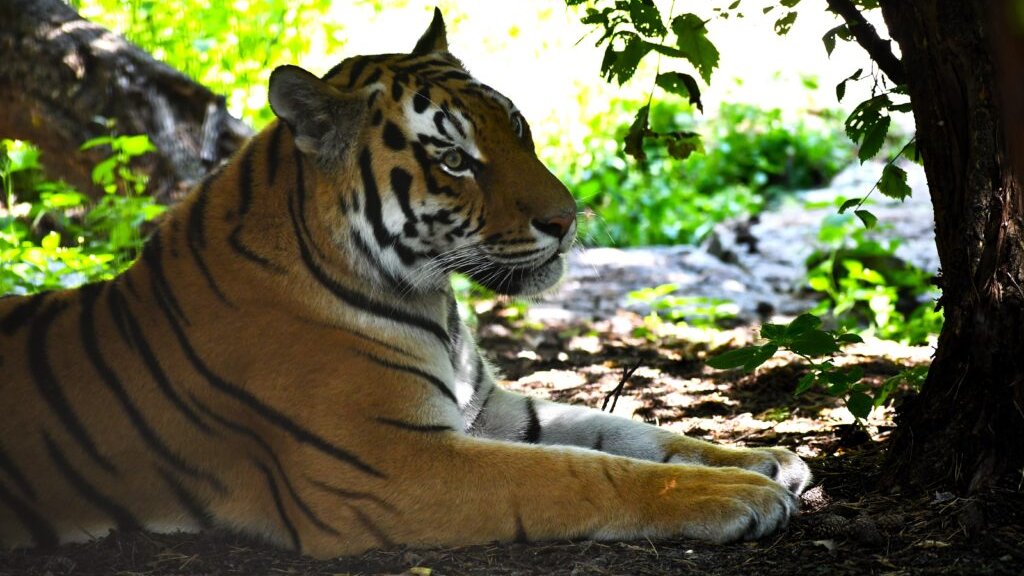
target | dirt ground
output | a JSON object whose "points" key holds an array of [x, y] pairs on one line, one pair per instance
{"points": [[847, 526]]}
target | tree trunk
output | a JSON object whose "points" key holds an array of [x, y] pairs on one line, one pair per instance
{"points": [[966, 428], [62, 77]]}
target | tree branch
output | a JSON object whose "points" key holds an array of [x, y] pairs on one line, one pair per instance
{"points": [[868, 38]]}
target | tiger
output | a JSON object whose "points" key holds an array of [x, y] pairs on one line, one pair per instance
{"points": [[286, 359]]}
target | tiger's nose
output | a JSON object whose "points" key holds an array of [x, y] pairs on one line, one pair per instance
{"points": [[557, 225]]}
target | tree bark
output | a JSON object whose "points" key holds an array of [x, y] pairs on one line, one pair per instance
{"points": [[965, 428], [62, 78]]}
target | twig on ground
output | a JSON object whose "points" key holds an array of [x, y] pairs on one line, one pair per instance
{"points": [[613, 396]]}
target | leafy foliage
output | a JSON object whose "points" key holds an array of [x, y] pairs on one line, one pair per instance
{"points": [[750, 156], [696, 310], [51, 237], [805, 338], [231, 47], [866, 285]]}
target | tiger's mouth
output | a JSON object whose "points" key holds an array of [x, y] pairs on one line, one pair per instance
{"points": [[518, 280]]}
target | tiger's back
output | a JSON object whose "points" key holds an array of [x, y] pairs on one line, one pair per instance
{"points": [[286, 357]]}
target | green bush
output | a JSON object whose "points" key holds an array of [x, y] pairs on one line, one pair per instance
{"points": [[52, 236], [751, 157], [866, 286], [230, 47]]}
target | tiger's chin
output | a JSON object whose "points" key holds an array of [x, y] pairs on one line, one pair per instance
{"points": [[520, 281]]}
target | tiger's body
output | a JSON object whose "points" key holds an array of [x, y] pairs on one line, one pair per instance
{"points": [[286, 358]]}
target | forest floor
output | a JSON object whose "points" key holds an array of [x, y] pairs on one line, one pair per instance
{"points": [[847, 526]]}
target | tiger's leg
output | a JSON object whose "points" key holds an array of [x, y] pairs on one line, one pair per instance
{"points": [[448, 488], [500, 414]]}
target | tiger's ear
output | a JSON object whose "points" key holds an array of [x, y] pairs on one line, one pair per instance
{"points": [[324, 120], [435, 39]]}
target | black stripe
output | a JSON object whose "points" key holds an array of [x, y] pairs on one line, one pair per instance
{"points": [[393, 137], [196, 236], [396, 86], [373, 77], [90, 342], [478, 377], [22, 313], [274, 152], [266, 411], [353, 332], [42, 532], [520, 535], [251, 434], [374, 211], [245, 181], [119, 313], [196, 509], [358, 65], [135, 338], [356, 299], [421, 100], [153, 256], [401, 180], [50, 389], [454, 121], [433, 380], [8, 466], [599, 443], [374, 260], [483, 408], [533, 428], [668, 456], [351, 495], [370, 526], [235, 241], [245, 194], [276, 495], [414, 427], [454, 329], [121, 516]]}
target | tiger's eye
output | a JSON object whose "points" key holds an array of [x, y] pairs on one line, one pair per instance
{"points": [[454, 160]]}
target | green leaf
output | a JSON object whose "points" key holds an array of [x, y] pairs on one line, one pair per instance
{"points": [[783, 25], [681, 84], [134, 145], [873, 139], [634, 140], [682, 146], [893, 183], [94, 142], [789, 3], [760, 356], [859, 404], [646, 18], [814, 343], [849, 338], [51, 242], [734, 358], [867, 218], [693, 42], [829, 39], [805, 383], [620, 65], [849, 204], [819, 284], [866, 114], [802, 323], [772, 331]]}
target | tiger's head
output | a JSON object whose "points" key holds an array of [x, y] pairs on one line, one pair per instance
{"points": [[423, 171]]}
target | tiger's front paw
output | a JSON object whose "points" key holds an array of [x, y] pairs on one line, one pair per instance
{"points": [[779, 464], [736, 504]]}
